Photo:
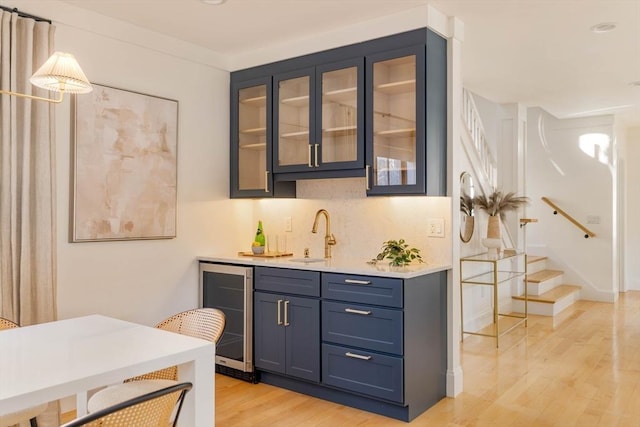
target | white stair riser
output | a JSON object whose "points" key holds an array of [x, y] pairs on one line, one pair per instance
{"points": [[534, 267], [547, 309], [545, 286]]}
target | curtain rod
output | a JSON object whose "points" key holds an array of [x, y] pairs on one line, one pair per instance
{"points": [[25, 15]]}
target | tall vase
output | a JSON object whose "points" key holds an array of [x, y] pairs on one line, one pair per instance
{"points": [[493, 227], [493, 242]]}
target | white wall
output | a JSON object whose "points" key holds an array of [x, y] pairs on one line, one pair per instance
{"points": [[581, 186], [632, 202]]}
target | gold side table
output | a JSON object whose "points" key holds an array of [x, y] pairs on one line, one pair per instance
{"points": [[494, 277]]}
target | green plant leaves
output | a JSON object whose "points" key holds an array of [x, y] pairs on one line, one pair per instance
{"points": [[398, 253]]}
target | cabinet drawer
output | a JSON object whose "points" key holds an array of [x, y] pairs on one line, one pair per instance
{"points": [[362, 289], [363, 372], [369, 327], [296, 282]]}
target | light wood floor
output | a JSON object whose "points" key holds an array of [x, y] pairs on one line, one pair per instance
{"points": [[581, 370]]}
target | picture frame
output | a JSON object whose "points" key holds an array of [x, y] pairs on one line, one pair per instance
{"points": [[124, 166]]}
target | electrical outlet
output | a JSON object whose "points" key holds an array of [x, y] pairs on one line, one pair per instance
{"points": [[435, 227], [287, 224]]}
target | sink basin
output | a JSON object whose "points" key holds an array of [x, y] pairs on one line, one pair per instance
{"points": [[306, 260]]}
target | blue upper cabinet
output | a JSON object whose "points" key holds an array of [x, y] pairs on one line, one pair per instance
{"points": [[395, 121], [319, 118], [376, 109], [251, 141]]}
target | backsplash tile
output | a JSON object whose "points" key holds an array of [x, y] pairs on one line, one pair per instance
{"points": [[360, 223]]}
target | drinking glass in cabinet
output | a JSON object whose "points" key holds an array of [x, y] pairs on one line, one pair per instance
{"points": [[293, 125], [394, 128], [339, 115], [252, 137]]}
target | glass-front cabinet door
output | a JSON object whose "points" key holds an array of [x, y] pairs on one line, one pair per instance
{"points": [[340, 139], [396, 122], [251, 139], [294, 96], [319, 120]]}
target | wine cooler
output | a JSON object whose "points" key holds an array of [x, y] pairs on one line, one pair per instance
{"points": [[230, 289]]}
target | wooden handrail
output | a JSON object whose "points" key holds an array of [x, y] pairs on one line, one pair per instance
{"points": [[556, 210]]}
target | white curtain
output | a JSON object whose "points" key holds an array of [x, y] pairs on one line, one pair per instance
{"points": [[27, 181]]}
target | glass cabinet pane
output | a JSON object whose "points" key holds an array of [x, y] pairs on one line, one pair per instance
{"points": [[293, 121], [339, 115], [252, 138], [394, 122]]}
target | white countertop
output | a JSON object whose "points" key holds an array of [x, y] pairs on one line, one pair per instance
{"points": [[334, 265]]}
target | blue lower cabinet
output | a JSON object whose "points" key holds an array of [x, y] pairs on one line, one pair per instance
{"points": [[374, 343], [363, 372], [287, 335]]}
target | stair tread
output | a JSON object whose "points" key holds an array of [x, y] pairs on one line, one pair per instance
{"points": [[553, 295], [543, 275], [535, 258]]}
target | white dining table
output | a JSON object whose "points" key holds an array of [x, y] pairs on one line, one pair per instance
{"points": [[50, 361]]}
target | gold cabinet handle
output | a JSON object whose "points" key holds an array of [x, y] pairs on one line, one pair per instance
{"points": [[366, 175], [309, 157], [354, 311], [357, 282], [266, 181], [357, 356], [316, 155], [286, 313], [279, 312]]}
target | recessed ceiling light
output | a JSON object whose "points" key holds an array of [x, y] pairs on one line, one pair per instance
{"points": [[214, 2], [603, 27]]}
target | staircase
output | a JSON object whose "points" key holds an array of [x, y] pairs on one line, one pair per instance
{"points": [[548, 295]]}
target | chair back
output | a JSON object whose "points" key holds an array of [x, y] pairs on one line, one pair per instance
{"points": [[204, 323], [7, 324], [148, 410]]}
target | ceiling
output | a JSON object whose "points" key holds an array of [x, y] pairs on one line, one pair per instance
{"points": [[536, 52]]}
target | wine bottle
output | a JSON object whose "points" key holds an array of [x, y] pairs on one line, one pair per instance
{"points": [[260, 234]]}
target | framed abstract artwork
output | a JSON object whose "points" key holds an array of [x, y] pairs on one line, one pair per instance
{"points": [[124, 166]]}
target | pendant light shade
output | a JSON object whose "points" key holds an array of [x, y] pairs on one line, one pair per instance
{"points": [[61, 73]]}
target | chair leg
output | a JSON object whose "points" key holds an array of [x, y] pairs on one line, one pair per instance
{"points": [[33, 422]]}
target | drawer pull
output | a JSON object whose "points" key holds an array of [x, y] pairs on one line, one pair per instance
{"points": [[357, 356], [354, 311], [357, 282]]}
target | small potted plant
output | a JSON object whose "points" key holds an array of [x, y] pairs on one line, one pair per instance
{"points": [[398, 253]]}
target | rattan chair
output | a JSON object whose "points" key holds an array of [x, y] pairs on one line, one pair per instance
{"points": [[158, 408], [28, 414], [204, 323]]}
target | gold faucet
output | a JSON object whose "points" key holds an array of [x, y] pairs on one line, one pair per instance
{"points": [[329, 239]]}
